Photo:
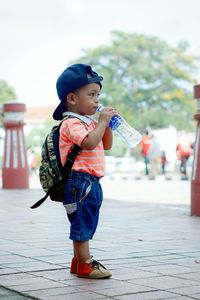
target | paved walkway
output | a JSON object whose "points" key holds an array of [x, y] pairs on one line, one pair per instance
{"points": [[146, 237]]}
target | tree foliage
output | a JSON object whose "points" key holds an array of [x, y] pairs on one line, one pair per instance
{"points": [[6, 92], [146, 79], [36, 136]]}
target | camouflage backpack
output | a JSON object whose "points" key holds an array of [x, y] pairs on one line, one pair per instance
{"points": [[52, 173]]}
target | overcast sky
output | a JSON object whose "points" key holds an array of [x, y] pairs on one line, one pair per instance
{"points": [[40, 37]]}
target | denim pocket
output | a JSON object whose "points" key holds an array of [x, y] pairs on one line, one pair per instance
{"points": [[75, 191], [86, 188], [70, 208]]}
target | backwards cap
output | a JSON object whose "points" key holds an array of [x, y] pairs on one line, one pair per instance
{"points": [[70, 80]]}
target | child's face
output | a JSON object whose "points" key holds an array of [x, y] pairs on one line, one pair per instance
{"points": [[86, 99]]}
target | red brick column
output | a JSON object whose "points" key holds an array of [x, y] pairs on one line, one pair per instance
{"points": [[15, 172]]}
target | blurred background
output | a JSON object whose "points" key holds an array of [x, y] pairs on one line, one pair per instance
{"points": [[148, 54]]}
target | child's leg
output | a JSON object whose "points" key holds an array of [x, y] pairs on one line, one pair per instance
{"points": [[81, 250], [81, 254], [83, 212], [85, 265]]}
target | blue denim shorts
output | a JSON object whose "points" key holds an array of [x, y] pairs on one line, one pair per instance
{"points": [[82, 200]]}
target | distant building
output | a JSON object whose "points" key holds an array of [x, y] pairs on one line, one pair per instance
{"points": [[37, 116]]}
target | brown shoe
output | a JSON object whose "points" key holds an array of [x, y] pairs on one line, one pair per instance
{"points": [[92, 269]]}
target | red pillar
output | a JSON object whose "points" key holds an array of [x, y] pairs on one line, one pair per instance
{"points": [[15, 172], [195, 180]]}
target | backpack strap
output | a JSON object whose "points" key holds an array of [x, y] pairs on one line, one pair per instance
{"points": [[38, 203], [70, 160]]}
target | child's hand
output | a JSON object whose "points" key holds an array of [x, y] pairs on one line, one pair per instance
{"points": [[101, 131], [106, 114]]}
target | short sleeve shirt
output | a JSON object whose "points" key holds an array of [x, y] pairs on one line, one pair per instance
{"points": [[73, 131]]}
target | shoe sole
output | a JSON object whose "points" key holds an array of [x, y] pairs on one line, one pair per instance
{"points": [[88, 277]]}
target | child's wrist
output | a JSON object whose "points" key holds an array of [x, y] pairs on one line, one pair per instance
{"points": [[103, 122]]}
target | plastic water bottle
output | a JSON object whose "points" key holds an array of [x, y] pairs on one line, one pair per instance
{"points": [[127, 133]]}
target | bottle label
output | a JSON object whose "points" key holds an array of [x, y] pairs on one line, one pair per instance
{"points": [[115, 121]]}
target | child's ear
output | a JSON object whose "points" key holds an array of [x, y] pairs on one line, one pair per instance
{"points": [[71, 98]]}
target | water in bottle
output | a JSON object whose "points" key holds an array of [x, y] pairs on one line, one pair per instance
{"points": [[127, 133]]}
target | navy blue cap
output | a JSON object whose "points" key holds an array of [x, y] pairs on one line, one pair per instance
{"points": [[70, 80]]}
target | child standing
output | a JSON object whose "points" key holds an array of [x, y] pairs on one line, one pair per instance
{"points": [[78, 89]]}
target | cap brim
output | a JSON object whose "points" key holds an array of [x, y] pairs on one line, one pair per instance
{"points": [[96, 79], [58, 112]]}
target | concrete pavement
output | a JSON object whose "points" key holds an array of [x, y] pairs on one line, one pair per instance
{"points": [[146, 237]]}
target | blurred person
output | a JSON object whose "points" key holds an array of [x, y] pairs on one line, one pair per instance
{"points": [[32, 162], [163, 162], [144, 146], [153, 155], [33, 165], [183, 151]]}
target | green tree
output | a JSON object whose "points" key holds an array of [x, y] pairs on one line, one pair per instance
{"points": [[36, 136], [6, 92], [146, 79]]}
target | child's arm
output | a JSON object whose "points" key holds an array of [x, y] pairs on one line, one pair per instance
{"points": [[107, 139], [101, 132]]}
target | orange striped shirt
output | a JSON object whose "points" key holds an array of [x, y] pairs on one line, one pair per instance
{"points": [[73, 131]]}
